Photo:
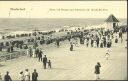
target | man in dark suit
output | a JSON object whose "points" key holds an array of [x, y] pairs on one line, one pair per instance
{"points": [[7, 77], [40, 55], [37, 52], [44, 61], [34, 75], [71, 48], [97, 70]]}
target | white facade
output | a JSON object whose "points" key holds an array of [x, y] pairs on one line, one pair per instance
{"points": [[109, 25]]}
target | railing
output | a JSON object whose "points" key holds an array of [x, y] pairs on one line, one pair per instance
{"points": [[9, 56]]}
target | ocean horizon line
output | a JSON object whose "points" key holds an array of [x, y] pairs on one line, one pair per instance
{"points": [[59, 18]]}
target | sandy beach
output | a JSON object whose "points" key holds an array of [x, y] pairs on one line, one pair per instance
{"points": [[75, 65], [63, 40], [70, 65]]}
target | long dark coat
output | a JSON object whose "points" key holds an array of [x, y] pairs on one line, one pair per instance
{"points": [[7, 78], [34, 76], [45, 60], [97, 69]]}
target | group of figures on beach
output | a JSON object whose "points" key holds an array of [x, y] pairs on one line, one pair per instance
{"points": [[97, 38], [94, 38], [26, 76], [37, 53], [23, 76]]}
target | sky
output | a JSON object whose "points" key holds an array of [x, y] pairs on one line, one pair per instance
{"points": [[62, 9]]}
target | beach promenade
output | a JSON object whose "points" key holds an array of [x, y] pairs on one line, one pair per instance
{"points": [[73, 65]]}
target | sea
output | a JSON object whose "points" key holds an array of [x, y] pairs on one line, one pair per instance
{"points": [[46, 24]]}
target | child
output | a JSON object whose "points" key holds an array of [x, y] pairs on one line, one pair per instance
{"points": [[49, 64], [116, 40], [107, 54], [71, 48]]}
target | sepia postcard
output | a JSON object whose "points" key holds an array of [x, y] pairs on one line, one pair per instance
{"points": [[63, 40]]}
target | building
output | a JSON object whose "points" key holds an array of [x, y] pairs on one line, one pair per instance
{"points": [[111, 22]]}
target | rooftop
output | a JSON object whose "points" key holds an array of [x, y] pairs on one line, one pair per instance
{"points": [[111, 18]]}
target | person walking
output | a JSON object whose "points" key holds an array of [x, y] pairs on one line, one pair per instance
{"points": [[109, 42], [22, 77], [107, 55], [116, 40], [49, 64], [120, 34], [71, 47], [7, 77], [87, 42], [95, 44], [97, 41], [33, 53], [92, 41], [97, 70], [101, 43], [27, 75], [30, 52], [104, 41], [34, 75], [27, 52], [58, 42], [37, 52], [40, 55], [44, 61]]}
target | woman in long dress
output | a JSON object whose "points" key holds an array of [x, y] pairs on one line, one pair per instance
{"points": [[95, 44], [107, 55], [33, 53], [97, 70], [27, 75], [101, 43], [27, 52], [22, 77]]}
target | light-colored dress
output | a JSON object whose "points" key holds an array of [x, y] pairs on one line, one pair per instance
{"points": [[95, 44], [27, 76], [27, 52], [22, 77], [33, 53], [107, 53]]}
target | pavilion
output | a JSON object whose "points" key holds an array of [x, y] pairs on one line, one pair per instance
{"points": [[111, 22]]}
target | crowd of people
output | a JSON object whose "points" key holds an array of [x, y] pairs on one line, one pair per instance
{"points": [[97, 38], [92, 37]]}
